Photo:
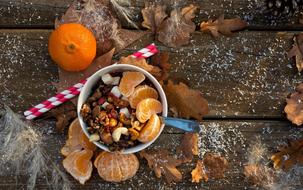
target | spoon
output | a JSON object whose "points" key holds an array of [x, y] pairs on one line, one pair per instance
{"points": [[183, 124]]}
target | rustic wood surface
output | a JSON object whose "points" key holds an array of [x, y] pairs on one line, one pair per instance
{"points": [[245, 79]]}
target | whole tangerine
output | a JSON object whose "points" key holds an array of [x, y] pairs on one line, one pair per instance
{"points": [[72, 46]]}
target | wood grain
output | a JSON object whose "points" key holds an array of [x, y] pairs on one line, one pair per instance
{"points": [[41, 13], [236, 138], [244, 76]]}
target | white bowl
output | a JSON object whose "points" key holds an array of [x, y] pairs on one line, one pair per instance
{"points": [[87, 90]]}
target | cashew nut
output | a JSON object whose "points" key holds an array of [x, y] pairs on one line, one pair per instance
{"points": [[94, 137], [118, 132]]}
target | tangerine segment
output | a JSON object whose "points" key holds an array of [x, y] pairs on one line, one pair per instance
{"points": [[129, 81], [77, 140], [146, 108], [79, 165], [72, 46], [151, 129], [142, 92]]}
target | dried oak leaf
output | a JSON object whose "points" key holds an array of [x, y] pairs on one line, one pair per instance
{"points": [[294, 107], [176, 30], [188, 147], [289, 155], [296, 51], [224, 26], [188, 102], [97, 16], [153, 16], [259, 174], [199, 173], [141, 62], [212, 166], [161, 60], [67, 79], [64, 114], [163, 164]]}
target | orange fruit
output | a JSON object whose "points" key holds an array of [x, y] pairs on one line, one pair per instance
{"points": [[151, 129], [79, 164], [146, 108], [72, 46], [76, 139], [116, 167], [129, 81], [141, 93]]}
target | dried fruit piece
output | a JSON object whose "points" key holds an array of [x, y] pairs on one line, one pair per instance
{"points": [[224, 26], [116, 167], [153, 16], [175, 31], [188, 102], [129, 81], [188, 147], [141, 93], [140, 62], [289, 155], [76, 139], [151, 129], [146, 108], [79, 164], [294, 106], [199, 173], [296, 51], [163, 164]]}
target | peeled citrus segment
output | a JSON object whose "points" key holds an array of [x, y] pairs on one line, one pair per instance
{"points": [[76, 139], [146, 108], [151, 129], [79, 164], [129, 81], [142, 92]]}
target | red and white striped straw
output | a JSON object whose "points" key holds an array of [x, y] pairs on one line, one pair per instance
{"points": [[75, 90]]}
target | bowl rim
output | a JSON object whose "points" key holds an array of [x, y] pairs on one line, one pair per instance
{"points": [[124, 67]]}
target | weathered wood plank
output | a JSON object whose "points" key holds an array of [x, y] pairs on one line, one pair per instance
{"points": [[34, 13], [231, 139], [244, 76]]}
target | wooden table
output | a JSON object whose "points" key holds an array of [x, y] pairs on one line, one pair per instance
{"points": [[245, 79]]}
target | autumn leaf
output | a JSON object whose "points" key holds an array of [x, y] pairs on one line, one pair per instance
{"points": [[153, 16], [212, 166], [127, 37], [67, 79], [64, 114], [223, 26], [296, 51], [188, 147], [259, 174], [199, 173], [163, 164], [188, 102], [176, 30], [294, 106], [97, 16], [289, 155], [161, 60]]}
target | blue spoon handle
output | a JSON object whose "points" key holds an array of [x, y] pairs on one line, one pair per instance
{"points": [[183, 124]]}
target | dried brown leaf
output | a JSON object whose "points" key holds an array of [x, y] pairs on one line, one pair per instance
{"points": [[64, 114], [294, 106], [188, 147], [289, 155], [199, 173], [296, 51], [162, 60], [97, 16], [128, 37], [189, 103], [176, 30], [223, 26], [67, 79], [163, 164], [215, 165], [153, 16], [259, 174]]}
